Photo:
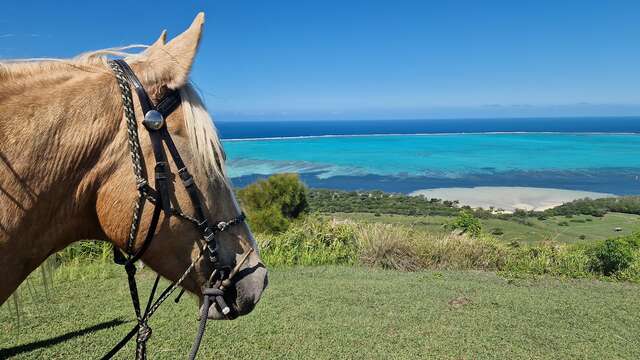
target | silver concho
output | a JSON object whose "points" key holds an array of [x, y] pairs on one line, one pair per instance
{"points": [[153, 120]]}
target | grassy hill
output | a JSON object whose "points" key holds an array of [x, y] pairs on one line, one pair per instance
{"points": [[578, 228], [348, 312]]}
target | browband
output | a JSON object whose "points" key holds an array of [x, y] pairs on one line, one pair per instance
{"points": [[165, 107]]}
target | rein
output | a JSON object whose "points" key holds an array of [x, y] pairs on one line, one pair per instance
{"points": [[221, 278]]}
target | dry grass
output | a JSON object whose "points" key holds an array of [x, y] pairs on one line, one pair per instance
{"points": [[459, 252], [387, 246], [403, 248]]}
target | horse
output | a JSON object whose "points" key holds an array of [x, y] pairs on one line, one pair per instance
{"points": [[65, 169]]}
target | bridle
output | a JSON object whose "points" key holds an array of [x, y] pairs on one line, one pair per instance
{"points": [[221, 277]]}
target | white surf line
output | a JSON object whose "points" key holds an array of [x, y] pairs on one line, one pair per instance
{"points": [[302, 137]]}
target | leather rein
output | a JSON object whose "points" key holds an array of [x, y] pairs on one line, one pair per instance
{"points": [[221, 277]]}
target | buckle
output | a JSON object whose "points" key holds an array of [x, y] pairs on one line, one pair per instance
{"points": [[207, 233]]}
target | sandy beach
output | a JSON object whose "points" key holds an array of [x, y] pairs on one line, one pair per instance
{"points": [[509, 198]]}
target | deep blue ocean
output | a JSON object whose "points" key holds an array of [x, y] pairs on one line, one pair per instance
{"points": [[592, 154], [269, 129]]}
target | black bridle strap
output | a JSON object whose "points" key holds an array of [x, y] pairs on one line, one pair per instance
{"points": [[183, 172], [143, 97], [169, 103], [155, 218], [162, 172], [160, 198]]}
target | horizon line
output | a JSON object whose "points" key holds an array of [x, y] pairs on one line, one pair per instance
{"points": [[298, 137], [438, 118]]}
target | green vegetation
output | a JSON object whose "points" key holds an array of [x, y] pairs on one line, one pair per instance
{"points": [[617, 256], [466, 223], [322, 241], [535, 231], [271, 204], [377, 202], [330, 201], [310, 242], [348, 312], [599, 207]]}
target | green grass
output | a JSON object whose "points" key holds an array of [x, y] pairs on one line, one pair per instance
{"points": [[594, 228], [351, 312]]}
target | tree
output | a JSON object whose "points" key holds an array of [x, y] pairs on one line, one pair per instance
{"points": [[272, 203]]}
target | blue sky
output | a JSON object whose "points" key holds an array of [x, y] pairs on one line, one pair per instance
{"points": [[370, 59]]}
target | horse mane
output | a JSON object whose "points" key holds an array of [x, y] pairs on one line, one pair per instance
{"points": [[203, 137]]}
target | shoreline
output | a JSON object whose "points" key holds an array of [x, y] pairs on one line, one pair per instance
{"points": [[509, 198]]}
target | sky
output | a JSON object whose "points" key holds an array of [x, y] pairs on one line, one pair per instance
{"points": [[314, 60]]}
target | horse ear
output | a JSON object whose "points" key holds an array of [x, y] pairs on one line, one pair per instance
{"points": [[170, 64], [161, 40]]}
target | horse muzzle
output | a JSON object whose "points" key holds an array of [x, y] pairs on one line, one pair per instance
{"points": [[241, 297]]}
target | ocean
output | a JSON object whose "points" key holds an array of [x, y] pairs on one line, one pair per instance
{"points": [[588, 154]]}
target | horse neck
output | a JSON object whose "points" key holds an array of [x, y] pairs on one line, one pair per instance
{"points": [[56, 131]]}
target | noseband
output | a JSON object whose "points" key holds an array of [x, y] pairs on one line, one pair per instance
{"points": [[221, 277]]}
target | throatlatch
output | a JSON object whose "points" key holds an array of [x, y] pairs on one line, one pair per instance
{"points": [[221, 278]]}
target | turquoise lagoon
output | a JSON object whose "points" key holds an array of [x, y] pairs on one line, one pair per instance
{"points": [[405, 163]]}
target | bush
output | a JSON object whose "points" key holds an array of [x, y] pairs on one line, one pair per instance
{"points": [[460, 252], [387, 246], [271, 204], [85, 251], [310, 242], [466, 223], [615, 255], [548, 258]]}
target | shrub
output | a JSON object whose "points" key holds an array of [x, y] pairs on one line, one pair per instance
{"points": [[85, 251], [632, 272], [460, 252], [387, 246], [312, 241], [466, 223], [271, 204], [615, 255], [548, 258]]}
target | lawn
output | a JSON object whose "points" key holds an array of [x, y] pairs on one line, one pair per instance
{"points": [[348, 312], [593, 228]]}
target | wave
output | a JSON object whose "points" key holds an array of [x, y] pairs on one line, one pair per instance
{"points": [[302, 137]]}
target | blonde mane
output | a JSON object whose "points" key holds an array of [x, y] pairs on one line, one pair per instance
{"points": [[203, 138]]}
